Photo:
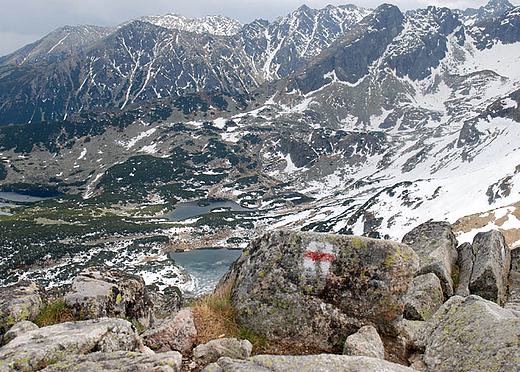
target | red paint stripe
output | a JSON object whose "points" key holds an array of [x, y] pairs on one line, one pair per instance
{"points": [[316, 256]]}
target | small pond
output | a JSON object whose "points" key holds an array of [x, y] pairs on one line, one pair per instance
{"points": [[197, 208], [17, 197], [204, 267]]}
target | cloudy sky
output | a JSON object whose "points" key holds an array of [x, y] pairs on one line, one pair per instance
{"points": [[25, 21]]}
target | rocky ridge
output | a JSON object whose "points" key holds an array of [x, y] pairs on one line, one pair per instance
{"points": [[483, 335]]}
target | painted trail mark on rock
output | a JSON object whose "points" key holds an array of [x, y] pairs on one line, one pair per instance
{"points": [[317, 258]]}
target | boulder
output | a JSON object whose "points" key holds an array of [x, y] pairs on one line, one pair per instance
{"points": [[165, 302], [19, 329], [177, 332], [436, 246], [491, 266], [18, 302], [35, 349], [408, 330], [127, 361], [100, 292], [224, 347], [318, 287], [365, 342], [465, 263], [315, 363], [424, 297], [513, 301], [470, 334]]}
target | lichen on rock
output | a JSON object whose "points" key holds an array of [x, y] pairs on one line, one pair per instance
{"points": [[470, 334], [18, 302], [100, 292]]}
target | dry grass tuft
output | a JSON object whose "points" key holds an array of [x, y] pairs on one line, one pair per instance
{"points": [[215, 316], [55, 313]]}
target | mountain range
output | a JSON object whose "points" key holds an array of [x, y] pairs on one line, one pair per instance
{"points": [[342, 119]]}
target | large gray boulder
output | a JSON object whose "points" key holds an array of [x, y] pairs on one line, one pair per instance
{"points": [[314, 363], [18, 302], [101, 292], [177, 332], [491, 266], [36, 349], [513, 301], [224, 347], [436, 246], [471, 334], [127, 361], [365, 342], [319, 288], [424, 297]]}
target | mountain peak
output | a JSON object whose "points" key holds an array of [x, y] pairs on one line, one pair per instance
{"points": [[214, 24], [493, 9], [498, 3]]}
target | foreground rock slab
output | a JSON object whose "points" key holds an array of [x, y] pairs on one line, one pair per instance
{"points": [[314, 363], [36, 349], [471, 334], [119, 361], [98, 292], [225, 347], [21, 301], [319, 287]]}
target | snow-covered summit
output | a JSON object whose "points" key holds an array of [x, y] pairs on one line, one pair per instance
{"points": [[493, 9], [214, 25]]}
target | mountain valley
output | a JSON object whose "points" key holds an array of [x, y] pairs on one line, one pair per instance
{"points": [[343, 119]]}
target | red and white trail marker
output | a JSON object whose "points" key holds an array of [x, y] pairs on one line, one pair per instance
{"points": [[317, 258]]}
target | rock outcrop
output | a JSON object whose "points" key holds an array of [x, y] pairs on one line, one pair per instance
{"points": [[365, 342], [36, 349], [436, 246], [318, 288], [491, 266], [21, 301], [177, 332], [99, 292], [470, 334], [224, 347], [315, 363]]}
